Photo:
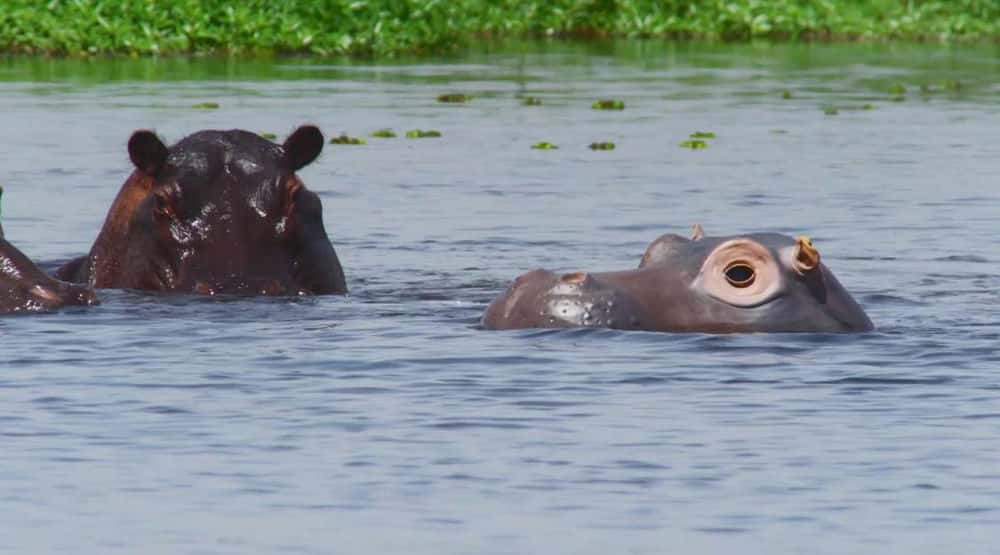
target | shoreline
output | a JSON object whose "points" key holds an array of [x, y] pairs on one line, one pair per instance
{"points": [[387, 29]]}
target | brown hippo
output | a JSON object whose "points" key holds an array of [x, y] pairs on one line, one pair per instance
{"points": [[218, 212], [761, 282], [24, 287]]}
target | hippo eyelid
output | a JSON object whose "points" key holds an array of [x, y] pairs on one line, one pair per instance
{"points": [[740, 272]]}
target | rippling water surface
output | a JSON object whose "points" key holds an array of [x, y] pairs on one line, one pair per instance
{"points": [[388, 422]]}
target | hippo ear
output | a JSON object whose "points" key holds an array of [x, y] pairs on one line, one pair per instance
{"points": [[302, 147], [147, 151]]}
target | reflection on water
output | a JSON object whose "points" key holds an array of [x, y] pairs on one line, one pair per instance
{"points": [[388, 422]]}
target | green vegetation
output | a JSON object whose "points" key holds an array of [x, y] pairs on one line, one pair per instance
{"points": [[206, 105], [602, 146], [608, 105], [531, 101], [786, 95], [702, 135], [384, 134], [268, 136], [422, 134], [544, 146], [345, 140], [897, 89], [831, 110], [394, 27], [454, 98], [694, 144]]}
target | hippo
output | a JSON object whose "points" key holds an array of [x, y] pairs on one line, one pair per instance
{"points": [[219, 212], [25, 288], [759, 282]]}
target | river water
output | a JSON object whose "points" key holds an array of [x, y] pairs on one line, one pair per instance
{"points": [[388, 422]]}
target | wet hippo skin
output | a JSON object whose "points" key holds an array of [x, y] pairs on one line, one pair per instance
{"points": [[25, 288], [218, 212], [761, 282]]}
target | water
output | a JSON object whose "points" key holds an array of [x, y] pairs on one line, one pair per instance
{"points": [[387, 422]]}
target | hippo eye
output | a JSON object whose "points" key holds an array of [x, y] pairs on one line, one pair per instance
{"points": [[740, 274]]}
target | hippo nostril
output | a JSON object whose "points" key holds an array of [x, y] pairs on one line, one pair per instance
{"points": [[740, 274]]}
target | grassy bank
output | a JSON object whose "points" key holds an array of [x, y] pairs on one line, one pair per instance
{"points": [[393, 27]]}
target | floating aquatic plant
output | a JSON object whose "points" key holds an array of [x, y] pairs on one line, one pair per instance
{"points": [[454, 98], [831, 110], [702, 135], [268, 136], [206, 106], [345, 140], [544, 146], [897, 89], [787, 95], [602, 146], [384, 134], [608, 104], [531, 101], [422, 134], [694, 144]]}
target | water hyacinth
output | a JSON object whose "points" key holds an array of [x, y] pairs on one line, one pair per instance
{"points": [[422, 134], [454, 98], [694, 144], [345, 140], [610, 104], [544, 146], [384, 134], [390, 28]]}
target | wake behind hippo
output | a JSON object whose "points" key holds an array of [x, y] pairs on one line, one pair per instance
{"points": [[218, 212], [25, 288], [760, 282]]}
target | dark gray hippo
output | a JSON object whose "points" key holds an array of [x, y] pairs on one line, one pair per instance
{"points": [[217, 212], [760, 282], [25, 288]]}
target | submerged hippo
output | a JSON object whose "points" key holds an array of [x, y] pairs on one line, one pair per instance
{"points": [[761, 282], [218, 212], [26, 288]]}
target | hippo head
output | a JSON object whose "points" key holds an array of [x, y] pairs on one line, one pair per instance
{"points": [[760, 282], [218, 212], [26, 288]]}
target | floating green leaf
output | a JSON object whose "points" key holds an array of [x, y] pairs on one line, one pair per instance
{"points": [[702, 135], [384, 134], [268, 136], [345, 140], [602, 146], [868, 107], [831, 110], [897, 89], [454, 98], [694, 144], [206, 106], [422, 134], [952, 85], [608, 104], [544, 146], [531, 101], [787, 95]]}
